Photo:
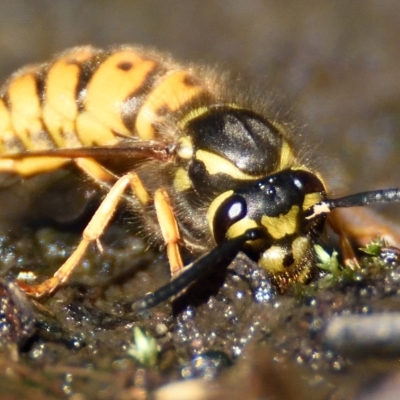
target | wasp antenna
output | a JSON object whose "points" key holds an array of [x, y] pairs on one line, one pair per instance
{"points": [[354, 200], [365, 198], [204, 265]]}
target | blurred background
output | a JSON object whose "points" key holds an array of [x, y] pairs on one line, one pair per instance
{"points": [[334, 66]]}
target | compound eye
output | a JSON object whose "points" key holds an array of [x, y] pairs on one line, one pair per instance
{"points": [[307, 182], [231, 210]]}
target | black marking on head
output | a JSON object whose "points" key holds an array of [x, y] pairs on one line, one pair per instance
{"points": [[288, 260]]}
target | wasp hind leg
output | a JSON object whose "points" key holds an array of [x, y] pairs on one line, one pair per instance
{"points": [[102, 217], [91, 234]]}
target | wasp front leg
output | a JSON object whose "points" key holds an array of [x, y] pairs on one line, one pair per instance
{"points": [[360, 226]]}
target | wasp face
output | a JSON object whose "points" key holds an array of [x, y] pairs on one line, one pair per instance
{"points": [[277, 206]]}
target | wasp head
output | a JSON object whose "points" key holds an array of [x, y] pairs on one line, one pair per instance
{"points": [[278, 205]]}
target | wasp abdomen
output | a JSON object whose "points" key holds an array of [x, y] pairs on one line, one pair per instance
{"points": [[90, 97]]}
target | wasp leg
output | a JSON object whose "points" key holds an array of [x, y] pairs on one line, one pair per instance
{"points": [[169, 229], [30, 166], [91, 234], [95, 170], [349, 257], [361, 225], [162, 204], [103, 176]]}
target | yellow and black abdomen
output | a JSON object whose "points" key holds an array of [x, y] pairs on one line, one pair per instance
{"points": [[90, 97], [86, 98]]}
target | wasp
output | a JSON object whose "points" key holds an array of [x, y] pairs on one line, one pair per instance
{"points": [[202, 168]]}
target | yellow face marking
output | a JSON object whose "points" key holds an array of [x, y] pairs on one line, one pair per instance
{"points": [[184, 147], [283, 225], [241, 226], [60, 109], [216, 164], [272, 259], [214, 207], [182, 181], [117, 79], [25, 110], [310, 199], [172, 93], [300, 246]]}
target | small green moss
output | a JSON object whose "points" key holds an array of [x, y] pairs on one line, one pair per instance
{"points": [[374, 247], [330, 264], [327, 262], [144, 348]]}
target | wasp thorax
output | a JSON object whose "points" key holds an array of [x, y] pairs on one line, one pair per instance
{"points": [[230, 145]]}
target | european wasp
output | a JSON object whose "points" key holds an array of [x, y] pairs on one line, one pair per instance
{"points": [[208, 170]]}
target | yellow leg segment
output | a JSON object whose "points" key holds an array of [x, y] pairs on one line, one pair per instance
{"points": [[361, 225], [102, 175], [95, 170], [169, 229], [92, 232]]}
